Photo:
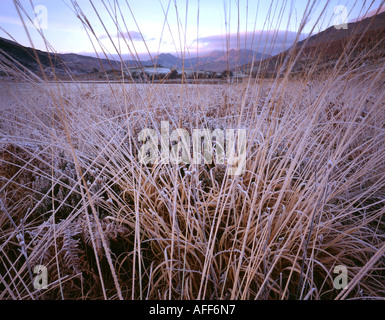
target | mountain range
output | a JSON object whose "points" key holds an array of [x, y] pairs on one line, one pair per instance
{"points": [[214, 61], [24, 58]]}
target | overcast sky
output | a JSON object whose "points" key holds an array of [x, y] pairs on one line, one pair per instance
{"points": [[170, 26]]}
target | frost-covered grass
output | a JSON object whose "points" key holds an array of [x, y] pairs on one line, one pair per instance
{"points": [[106, 226], [75, 198]]}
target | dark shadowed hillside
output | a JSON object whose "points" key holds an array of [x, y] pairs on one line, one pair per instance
{"points": [[14, 55], [364, 39]]}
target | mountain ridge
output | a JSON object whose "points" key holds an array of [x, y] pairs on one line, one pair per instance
{"points": [[217, 60]]}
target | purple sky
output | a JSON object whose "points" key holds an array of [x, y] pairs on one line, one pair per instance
{"points": [[170, 26]]}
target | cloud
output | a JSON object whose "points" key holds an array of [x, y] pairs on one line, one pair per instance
{"points": [[271, 41], [133, 35]]}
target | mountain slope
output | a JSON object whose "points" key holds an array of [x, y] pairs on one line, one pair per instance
{"points": [[39, 61], [27, 57], [365, 38]]}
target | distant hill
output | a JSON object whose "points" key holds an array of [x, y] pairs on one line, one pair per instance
{"points": [[217, 60], [80, 64], [233, 59], [325, 48]]}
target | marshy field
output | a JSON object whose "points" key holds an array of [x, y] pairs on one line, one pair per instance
{"points": [[82, 216]]}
